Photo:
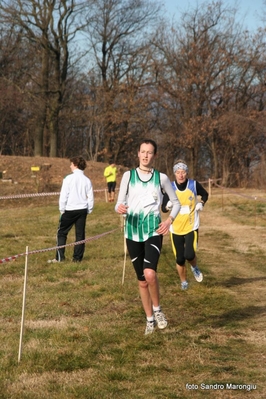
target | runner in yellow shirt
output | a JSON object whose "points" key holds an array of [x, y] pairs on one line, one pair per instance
{"points": [[110, 175], [184, 230]]}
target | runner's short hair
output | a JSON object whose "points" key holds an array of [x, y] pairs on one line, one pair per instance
{"points": [[79, 162], [149, 141]]}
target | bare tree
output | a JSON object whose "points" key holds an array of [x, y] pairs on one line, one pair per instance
{"points": [[14, 62], [205, 69], [116, 32], [48, 26], [188, 66]]}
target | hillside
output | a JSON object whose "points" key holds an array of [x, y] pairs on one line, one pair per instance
{"points": [[18, 178]]}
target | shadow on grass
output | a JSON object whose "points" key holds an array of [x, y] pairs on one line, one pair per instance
{"points": [[234, 281], [234, 316]]}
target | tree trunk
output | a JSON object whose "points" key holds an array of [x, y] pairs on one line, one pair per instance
{"points": [[53, 127], [38, 136], [42, 101]]}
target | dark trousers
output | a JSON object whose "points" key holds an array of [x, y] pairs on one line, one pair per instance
{"points": [[67, 220]]}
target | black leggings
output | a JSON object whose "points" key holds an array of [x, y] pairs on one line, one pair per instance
{"points": [[145, 255], [111, 186], [184, 247]]}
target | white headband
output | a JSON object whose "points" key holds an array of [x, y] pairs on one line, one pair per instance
{"points": [[180, 166]]}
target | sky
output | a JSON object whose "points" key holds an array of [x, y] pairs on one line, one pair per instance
{"points": [[249, 10]]}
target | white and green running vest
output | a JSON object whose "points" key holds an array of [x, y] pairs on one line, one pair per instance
{"points": [[143, 200]]}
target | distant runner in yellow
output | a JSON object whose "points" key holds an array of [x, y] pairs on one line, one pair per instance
{"points": [[110, 175]]}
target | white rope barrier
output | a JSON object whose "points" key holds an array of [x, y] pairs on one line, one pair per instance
{"points": [[9, 258], [230, 190], [16, 196]]}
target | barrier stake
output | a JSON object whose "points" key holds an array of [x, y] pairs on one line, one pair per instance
{"points": [[210, 187], [125, 253], [23, 304]]}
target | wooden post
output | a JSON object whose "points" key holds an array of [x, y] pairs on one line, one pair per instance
{"points": [[23, 304], [210, 187]]}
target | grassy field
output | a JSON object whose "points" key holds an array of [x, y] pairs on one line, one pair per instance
{"points": [[84, 330]]}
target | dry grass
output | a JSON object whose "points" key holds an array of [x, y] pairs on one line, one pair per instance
{"points": [[83, 335]]}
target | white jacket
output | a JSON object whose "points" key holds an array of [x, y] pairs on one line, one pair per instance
{"points": [[76, 193]]}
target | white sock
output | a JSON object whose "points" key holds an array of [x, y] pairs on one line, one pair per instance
{"points": [[150, 318], [156, 308]]}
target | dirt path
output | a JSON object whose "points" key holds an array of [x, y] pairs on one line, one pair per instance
{"points": [[243, 238], [238, 260]]}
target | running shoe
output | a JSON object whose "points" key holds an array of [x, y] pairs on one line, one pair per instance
{"points": [[197, 273], [150, 327], [52, 261], [160, 319], [184, 285]]}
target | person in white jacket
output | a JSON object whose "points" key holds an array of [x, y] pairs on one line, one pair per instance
{"points": [[76, 201]]}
